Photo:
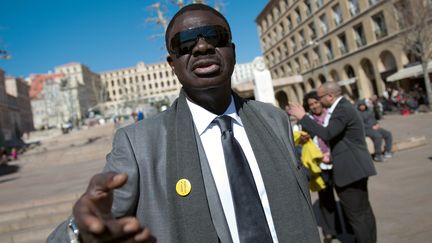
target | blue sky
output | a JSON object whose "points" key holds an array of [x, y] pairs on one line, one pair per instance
{"points": [[104, 35]]}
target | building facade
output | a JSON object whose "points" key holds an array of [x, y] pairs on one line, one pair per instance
{"points": [[16, 116], [83, 87], [353, 42], [130, 89], [65, 96]]}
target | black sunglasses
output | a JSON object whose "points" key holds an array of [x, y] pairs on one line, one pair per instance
{"points": [[183, 42]]}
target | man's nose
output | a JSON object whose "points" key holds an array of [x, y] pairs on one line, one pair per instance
{"points": [[202, 47]]}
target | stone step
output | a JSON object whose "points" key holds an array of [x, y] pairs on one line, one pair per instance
{"points": [[24, 224], [33, 235], [35, 212], [29, 205]]}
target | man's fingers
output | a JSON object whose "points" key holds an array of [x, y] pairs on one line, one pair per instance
{"points": [[106, 182], [145, 236]]}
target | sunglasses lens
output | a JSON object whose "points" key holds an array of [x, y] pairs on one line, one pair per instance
{"points": [[183, 42]]}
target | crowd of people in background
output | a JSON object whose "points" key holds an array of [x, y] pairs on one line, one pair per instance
{"points": [[403, 101]]}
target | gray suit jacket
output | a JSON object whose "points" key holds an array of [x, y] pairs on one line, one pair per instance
{"points": [[143, 150], [346, 137]]}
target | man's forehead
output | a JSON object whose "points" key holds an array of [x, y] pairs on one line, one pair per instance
{"points": [[196, 18]]}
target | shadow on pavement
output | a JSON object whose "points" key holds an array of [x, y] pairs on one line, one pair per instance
{"points": [[8, 169]]}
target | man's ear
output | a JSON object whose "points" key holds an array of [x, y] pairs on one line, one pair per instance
{"points": [[170, 61]]}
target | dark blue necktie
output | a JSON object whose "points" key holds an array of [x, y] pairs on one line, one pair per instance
{"points": [[251, 221]]}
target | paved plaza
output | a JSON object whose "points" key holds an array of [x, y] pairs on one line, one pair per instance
{"points": [[38, 190]]}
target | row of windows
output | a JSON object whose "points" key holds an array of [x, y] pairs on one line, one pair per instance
{"points": [[285, 26], [325, 49], [304, 9], [125, 90], [141, 78], [133, 71]]}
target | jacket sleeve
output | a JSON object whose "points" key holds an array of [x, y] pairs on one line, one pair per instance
{"points": [[335, 127], [59, 234], [122, 159]]}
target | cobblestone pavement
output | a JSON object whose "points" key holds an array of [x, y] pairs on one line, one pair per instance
{"points": [[45, 181]]}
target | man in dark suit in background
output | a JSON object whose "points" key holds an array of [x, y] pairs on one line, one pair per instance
{"points": [[172, 174], [352, 163]]}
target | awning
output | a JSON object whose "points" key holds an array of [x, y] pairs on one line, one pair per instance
{"points": [[409, 72], [347, 81]]}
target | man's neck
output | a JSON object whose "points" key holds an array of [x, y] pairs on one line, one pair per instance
{"points": [[213, 100]]}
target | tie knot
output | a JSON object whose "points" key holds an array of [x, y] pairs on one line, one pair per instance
{"points": [[224, 123]]}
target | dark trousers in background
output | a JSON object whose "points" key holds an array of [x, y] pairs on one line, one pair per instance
{"points": [[355, 203], [377, 137], [329, 215]]}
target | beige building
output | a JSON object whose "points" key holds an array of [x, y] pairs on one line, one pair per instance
{"points": [[353, 42], [130, 89], [83, 89]]}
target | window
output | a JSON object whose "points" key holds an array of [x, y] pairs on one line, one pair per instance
{"points": [[293, 44], [306, 61], [359, 35], [308, 7], [380, 28], [337, 15], [148, 77], [302, 39], [296, 65], [312, 31], [160, 74], [289, 22], [286, 50], [154, 76], [323, 22], [298, 16], [342, 44], [329, 50], [319, 3], [317, 56], [354, 8]]}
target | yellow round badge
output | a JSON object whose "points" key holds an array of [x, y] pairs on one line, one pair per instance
{"points": [[183, 187]]}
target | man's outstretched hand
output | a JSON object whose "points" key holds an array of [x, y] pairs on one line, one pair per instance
{"points": [[92, 213]]}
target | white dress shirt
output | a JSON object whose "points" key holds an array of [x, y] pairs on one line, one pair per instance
{"points": [[210, 135], [330, 111]]}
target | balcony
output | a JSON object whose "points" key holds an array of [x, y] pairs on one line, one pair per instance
{"points": [[360, 41], [380, 33], [338, 20], [373, 2], [343, 50], [329, 56], [354, 10]]}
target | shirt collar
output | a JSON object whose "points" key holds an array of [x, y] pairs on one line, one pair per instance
{"points": [[203, 118], [333, 106]]}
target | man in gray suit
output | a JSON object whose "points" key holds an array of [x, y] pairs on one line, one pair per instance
{"points": [[166, 177], [352, 163]]}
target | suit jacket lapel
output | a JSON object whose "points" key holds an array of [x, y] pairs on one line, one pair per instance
{"points": [[190, 214]]}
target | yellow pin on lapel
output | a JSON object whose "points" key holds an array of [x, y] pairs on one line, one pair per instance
{"points": [[183, 187]]}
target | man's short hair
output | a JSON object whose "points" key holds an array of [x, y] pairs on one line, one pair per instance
{"points": [[192, 7]]}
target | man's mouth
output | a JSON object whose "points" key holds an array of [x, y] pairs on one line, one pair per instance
{"points": [[206, 68]]}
